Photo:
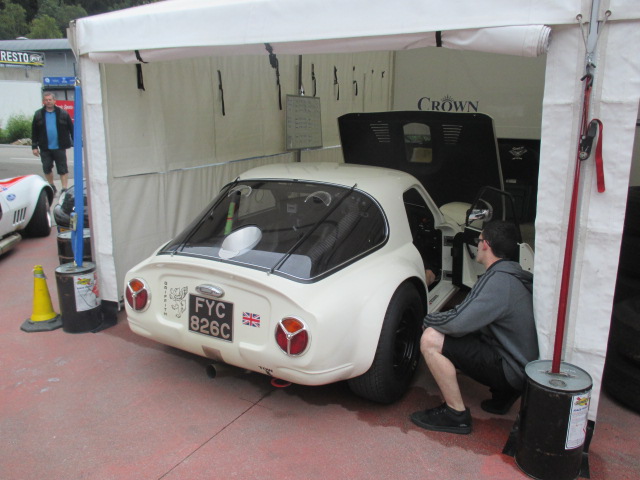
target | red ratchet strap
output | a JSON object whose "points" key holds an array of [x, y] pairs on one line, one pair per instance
{"points": [[586, 143], [588, 134], [599, 163]]}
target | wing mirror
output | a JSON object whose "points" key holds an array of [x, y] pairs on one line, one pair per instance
{"points": [[485, 214]]}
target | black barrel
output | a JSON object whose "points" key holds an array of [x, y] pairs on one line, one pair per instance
{"points": [[65, 247], [553, 421], [78, 297]]}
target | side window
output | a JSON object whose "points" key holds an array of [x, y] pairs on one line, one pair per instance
{"points": [[417, 142], [425, 236]]}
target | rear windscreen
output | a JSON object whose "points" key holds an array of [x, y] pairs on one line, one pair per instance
{"points": [[298, 229]]}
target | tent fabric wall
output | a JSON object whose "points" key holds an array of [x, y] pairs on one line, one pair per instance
{"points": [[97, 177], [601, 215], [188, 89], [372, 72], [145, 139], [508, 89]]}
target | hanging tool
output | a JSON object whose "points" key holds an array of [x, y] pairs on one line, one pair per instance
{"points": [[313, 79], [273, 61], [221, 92], [355, 82]]}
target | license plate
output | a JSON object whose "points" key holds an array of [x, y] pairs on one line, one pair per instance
{"points": [[211, 317]]}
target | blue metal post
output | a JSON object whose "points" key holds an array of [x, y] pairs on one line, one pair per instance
{"points": [[77, 234]]}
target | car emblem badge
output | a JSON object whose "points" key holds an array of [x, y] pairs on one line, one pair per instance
{"points": [[178, 295], [517, 152]]}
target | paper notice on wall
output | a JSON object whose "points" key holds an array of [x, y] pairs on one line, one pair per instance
{"points": [[577, 429], [86, 290]]}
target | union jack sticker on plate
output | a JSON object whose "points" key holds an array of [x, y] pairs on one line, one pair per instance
{"points": [[251, 319]]}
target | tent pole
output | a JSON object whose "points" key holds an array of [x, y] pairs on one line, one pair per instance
{"points": [[568, 253], [77, 233]]}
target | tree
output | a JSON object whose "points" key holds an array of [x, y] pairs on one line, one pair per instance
{"points": [[44, 27], [61, 12], [13, 21], [30, 7], [18, 17]]}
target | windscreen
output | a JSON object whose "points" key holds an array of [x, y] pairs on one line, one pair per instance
{"points": [[303, 230]]}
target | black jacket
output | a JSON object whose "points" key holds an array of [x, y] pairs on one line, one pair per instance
{"points": [[39, 130]]}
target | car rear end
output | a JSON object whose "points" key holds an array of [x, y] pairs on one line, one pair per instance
{"points": [[305, 333], [262, 280]]}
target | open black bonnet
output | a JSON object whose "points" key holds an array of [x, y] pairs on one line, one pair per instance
{"points": [[452, 154]]}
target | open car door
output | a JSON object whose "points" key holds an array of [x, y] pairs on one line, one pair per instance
{"points": [[490, 204]]}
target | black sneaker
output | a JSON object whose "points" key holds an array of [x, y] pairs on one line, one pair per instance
{"points": [[54, 188], [500, 402], [443, 419]]}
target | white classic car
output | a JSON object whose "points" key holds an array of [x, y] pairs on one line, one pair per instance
{"points": [[314, 273], [24, 209]]}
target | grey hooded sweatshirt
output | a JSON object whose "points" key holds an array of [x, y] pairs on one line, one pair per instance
{"points": [[500, 307]]}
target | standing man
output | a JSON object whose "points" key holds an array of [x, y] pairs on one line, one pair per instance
{"points": [[490, 336], [51, 135]]}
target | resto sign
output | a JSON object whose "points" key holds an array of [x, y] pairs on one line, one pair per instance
{"points": [[9, 58]]}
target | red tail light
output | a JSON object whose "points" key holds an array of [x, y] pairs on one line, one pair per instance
{"points": [[137, 294], [292, 336]]}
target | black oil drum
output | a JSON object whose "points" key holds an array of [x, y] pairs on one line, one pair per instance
{"points": [[78, 297], [553, 421], [65, 247]]}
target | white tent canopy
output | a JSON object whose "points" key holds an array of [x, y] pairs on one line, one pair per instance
{"points": [[172, 29], [179, 29]]}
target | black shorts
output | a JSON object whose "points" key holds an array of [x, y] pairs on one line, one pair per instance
{"points": [[476, 359], [49, 157]]}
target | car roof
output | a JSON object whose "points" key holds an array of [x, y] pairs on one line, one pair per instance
{"points": [[374, 180]]}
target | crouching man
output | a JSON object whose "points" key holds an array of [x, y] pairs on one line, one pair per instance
{"points": [[490, 336]]}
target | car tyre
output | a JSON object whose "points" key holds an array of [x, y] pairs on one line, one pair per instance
{"points": [[40, 223], [398, 350]]}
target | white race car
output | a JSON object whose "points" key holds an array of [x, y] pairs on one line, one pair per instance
{"points": [[315, 273], [24, 209]]}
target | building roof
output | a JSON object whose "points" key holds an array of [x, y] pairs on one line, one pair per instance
{"points": [[36, 44]]}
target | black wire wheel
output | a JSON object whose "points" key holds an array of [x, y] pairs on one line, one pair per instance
{"points": [[398, 350]]}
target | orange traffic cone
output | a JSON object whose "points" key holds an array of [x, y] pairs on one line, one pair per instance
{"points": [[43, 318]]}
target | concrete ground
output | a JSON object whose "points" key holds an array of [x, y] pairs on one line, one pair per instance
{"points": [[113, 405]]}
